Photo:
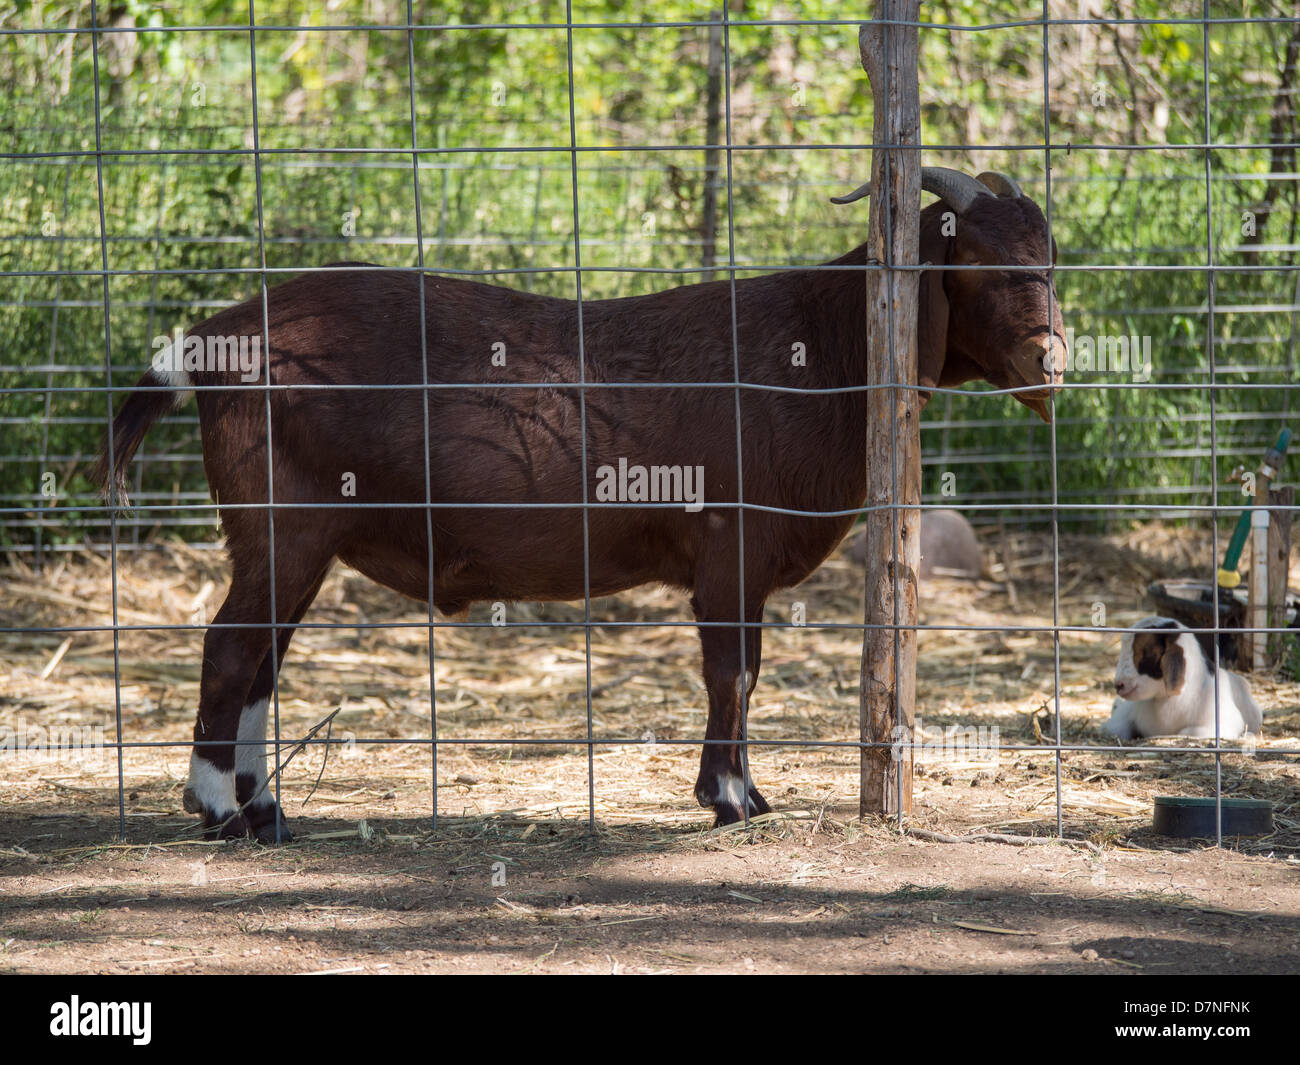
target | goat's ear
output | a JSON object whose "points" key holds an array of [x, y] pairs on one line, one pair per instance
{"points": [[932, 301], [1173, 664], [932, 324]]}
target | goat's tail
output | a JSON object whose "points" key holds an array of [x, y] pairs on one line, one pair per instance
{"points": [[154, 395]]}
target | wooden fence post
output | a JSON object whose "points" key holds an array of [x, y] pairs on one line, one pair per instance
{"points": [[1279, 569], [888, 692]]}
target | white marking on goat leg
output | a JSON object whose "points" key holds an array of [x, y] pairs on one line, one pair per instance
{"points": [[744, 684], [250, 757], [214, 788], [729, 788]]}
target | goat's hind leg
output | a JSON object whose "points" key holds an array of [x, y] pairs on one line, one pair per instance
{"points": [[253, 790], [234, 649]]}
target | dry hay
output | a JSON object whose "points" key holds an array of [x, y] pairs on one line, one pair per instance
{"points": [[515, 695]]}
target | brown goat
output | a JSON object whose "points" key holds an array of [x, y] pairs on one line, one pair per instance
{"points": [[490, 448]]}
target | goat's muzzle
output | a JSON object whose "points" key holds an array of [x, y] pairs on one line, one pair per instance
{"points": [[1041, 360]]}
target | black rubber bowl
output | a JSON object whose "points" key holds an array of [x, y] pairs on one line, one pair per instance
{"points": [[1176, 815]]}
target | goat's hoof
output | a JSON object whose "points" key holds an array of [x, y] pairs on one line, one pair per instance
{"points": [[266, 834], [263, 822], [729, 813], [232, 826]]}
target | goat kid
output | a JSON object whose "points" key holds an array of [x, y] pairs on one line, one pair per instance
{"points": [[1166, 687], [498, 433]]}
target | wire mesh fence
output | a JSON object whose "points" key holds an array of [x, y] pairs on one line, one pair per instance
{"points": [[569, 153]]}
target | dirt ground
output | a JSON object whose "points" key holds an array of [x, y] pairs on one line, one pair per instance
{"points": [[514, 879]]}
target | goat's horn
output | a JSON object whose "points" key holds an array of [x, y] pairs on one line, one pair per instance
{"points": [[1000, 184], [861, 192], [956, 189]]}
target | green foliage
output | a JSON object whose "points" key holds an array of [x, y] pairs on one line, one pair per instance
{"points": [[489, 98]]}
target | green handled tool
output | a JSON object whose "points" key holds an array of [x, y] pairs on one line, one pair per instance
{"points": [[1228, 575]]}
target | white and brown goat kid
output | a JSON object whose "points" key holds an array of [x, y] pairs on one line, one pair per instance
{"points": [[1166, 683]]}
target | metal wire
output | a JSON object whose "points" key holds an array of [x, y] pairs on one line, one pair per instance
{"points": [[582, 411], [1051, 503], [968, 27], [1053, 455], [1210, 354], [274, 618], [108, 398]]}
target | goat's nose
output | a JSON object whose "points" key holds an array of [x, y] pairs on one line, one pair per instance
{"points": [[1052, 353]]}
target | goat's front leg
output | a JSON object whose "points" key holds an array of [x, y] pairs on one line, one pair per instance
{"points": [[1121, 723], [724, 781]]}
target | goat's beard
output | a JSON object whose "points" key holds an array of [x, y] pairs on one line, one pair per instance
{"points": [[1038, 402]]}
